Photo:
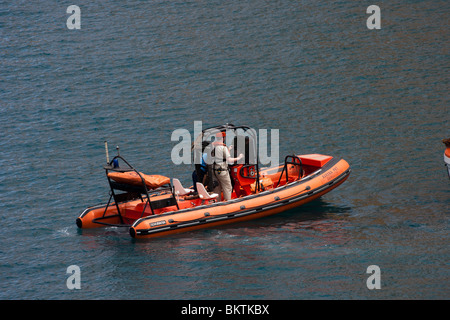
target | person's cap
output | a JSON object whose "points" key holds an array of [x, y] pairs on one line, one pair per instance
{"points": [[220, 134]]}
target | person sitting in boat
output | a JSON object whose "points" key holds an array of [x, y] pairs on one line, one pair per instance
{"points": [[221, 159], [200, 174]]}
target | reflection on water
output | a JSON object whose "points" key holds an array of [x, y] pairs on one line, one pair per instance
{"points": [[214, 263]]}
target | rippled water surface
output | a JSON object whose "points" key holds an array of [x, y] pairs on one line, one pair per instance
{"points": [[138, 70]]}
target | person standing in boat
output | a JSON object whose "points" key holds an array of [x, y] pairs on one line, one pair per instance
{"points": [[221, 159]]}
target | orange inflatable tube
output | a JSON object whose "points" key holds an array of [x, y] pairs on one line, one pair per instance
{"points": [[251, 207]]}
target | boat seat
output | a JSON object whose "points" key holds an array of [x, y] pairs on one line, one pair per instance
{"points": [[179, 189], [153, 181], [203, 194]]}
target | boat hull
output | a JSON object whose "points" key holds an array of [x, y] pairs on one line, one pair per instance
{"points": [[447, 160], [263, 204]]}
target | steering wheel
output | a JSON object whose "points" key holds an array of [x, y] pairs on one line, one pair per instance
{"points": [[250, 172]]}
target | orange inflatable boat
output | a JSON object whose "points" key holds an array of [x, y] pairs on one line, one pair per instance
{"points": [[154, 205], [447, 155]]}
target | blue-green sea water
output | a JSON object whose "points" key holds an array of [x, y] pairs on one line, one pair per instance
{"points": [[138, 70]]}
